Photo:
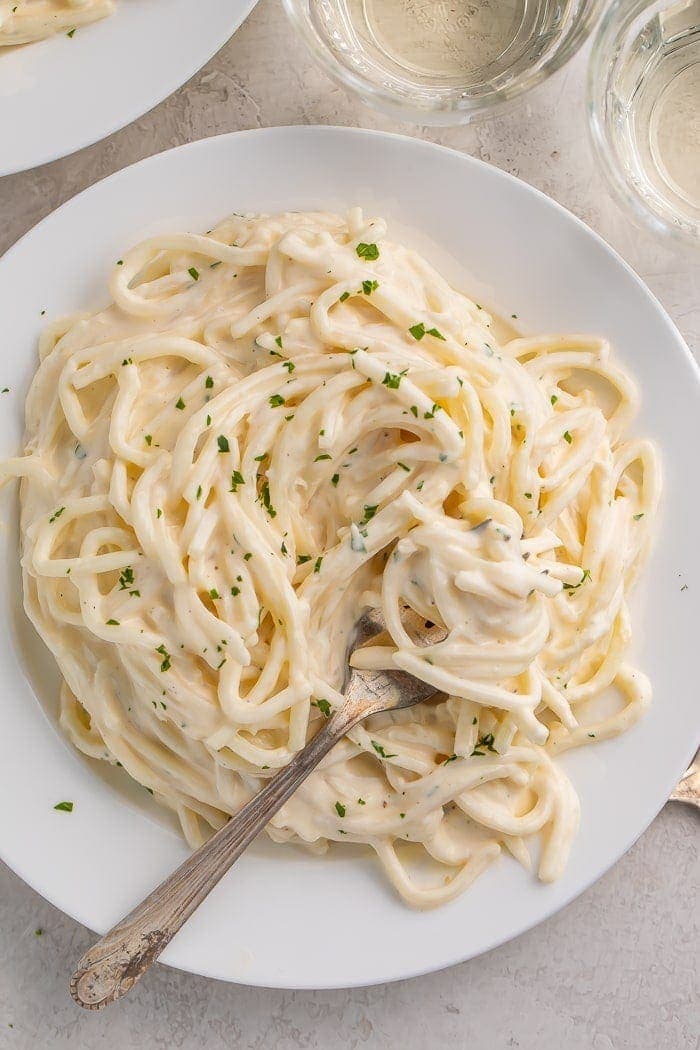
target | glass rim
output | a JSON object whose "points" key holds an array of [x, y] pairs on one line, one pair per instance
{"points": [[440, 111], [619, 17]]}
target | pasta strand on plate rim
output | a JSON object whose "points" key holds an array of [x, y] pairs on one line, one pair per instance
{"points": [[284, 421], [25, 21]]}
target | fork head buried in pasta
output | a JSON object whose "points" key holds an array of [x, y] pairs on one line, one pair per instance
{"points": [[285, 420]]}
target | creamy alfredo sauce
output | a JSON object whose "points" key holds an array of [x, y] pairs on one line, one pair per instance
{"points": [[23, 21], [275, 425]]}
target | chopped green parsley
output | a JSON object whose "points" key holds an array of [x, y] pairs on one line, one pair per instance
{"points": [[380, 750], [367, 251]]}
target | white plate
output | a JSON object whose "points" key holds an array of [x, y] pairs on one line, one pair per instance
{"points": [[282, 917], [63, 93]]}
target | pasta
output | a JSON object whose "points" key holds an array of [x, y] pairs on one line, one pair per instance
{"points": [[285, 421], [24, 21]]}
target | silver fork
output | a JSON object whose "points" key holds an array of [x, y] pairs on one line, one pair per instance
{"points": [[688, 787], [118, 960]]}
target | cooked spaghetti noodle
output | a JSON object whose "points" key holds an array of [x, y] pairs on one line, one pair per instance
{"points": [[24, 21], [285, 421]]}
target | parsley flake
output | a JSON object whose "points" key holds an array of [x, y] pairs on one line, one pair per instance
{"points": [[166, 664], [487, 742], [236, 480], [367, 251], [380, 750], [265, 493], [575, 586]]}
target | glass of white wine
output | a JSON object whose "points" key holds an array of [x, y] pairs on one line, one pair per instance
{"points": [[644, 111], [442, 61]]}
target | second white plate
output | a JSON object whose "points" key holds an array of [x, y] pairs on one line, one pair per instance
{"points": [[282, 917], [63, 93]]}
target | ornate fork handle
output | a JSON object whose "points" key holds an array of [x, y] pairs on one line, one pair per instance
{"points": [[119, 959], [688, 787], [112, 966]]}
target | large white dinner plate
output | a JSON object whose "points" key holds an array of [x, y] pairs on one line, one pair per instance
{"points": [[282, 917], [63, 93]]}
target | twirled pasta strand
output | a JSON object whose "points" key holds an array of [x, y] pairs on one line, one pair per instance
{"points": [[285, 420]]}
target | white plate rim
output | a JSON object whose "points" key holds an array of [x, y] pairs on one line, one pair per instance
{"points": [[36, 156], [171, 957]]}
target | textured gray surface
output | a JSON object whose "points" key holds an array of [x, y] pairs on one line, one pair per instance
{"points": [[616, 970], [613, 971]]}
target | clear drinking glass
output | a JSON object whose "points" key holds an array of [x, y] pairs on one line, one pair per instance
{"points": [[644, 111], [442, 61]]}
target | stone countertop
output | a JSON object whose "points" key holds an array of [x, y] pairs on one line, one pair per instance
{"points": [[612, 971]]}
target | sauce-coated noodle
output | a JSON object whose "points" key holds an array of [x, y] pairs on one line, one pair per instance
{"points": [[275, 425], [24, 21]]}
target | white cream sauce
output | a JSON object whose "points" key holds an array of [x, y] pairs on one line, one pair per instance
{"points": [[276, 424], [24, 21]]}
